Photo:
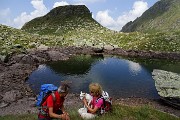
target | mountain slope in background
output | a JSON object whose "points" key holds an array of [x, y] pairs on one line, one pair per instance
{"points": [[161, 17], [61, 20], [74, 26]]}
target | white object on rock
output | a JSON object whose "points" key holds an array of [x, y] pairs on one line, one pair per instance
{"points": [[87, 96]]}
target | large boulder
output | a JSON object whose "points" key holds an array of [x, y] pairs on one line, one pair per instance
{"points": [[168, 85]]}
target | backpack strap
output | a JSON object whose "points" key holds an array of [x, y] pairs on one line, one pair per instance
{"points": [[103, 100], [101, 97], [53, 95], [101, 111], [41, 110]]}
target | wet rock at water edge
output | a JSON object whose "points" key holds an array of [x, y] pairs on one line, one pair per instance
{"points": [[168, 86]]}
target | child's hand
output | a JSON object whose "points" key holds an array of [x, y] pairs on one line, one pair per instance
{"points": [[66, 113], [84, 101]]}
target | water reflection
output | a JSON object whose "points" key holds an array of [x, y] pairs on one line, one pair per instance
{"points": [[134, 68], [120, 77], [78, 65]]}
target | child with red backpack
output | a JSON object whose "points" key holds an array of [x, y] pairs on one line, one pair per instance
{"points": [[98, 105]]}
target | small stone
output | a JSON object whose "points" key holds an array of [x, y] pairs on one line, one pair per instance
{"points": [[3, 104], [32, 99]]}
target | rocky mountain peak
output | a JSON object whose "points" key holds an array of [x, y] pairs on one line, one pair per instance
{"points": [[61, 20], [69, 10]]}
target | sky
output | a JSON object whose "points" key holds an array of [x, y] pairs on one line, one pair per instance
{"points": [[113, 14]]}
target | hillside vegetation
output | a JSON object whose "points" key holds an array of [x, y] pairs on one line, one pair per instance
{"points": [[163, 16], [62, 20], [63, 27]]}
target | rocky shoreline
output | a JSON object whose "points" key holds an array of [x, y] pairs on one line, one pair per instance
{"points": [[15, 94]]}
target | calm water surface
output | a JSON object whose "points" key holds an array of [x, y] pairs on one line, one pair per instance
{"points": [[119, 76]]}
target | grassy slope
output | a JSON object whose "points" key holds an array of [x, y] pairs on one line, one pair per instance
{"points": [[163, 16], [119, 113], [99, 36], [15, 40]]}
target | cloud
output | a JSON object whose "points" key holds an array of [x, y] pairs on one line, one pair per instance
{"points": [[104, 18], [62, 3], [40, 10], [134, 68], [138, 8]]}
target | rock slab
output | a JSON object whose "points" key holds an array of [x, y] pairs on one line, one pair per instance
{"points": [[167, 83]]}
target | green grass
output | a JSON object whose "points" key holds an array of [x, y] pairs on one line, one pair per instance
{"points": [[162, 16], [119, 113], [19, 117], [98, 36], [83, 30]]}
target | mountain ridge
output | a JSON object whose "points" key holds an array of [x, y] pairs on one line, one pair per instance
{"points": [[162, 16]]}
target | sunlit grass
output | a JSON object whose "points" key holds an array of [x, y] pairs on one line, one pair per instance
{"points": [[119, 113], [85, 36]]}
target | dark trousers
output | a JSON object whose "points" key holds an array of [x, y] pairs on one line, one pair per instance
{"points": [[59, 112]]}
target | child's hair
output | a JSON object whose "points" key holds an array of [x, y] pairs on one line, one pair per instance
{"points": [[95, 88]]}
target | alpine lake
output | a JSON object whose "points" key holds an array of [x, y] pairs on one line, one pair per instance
{"points": [[121, 77]]}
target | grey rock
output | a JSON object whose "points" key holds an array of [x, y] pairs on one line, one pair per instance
{"points": [[4, 58], [1, 97], [32, 98], [42, 47], [108, 47], [12, 96], [18, 46], [167, 83], [17, 58], [98, 50], [2, 68], [3, 104], [28, 59], [56, 55]]}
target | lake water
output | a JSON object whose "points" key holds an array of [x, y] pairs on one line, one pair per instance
{"points": [[120, 77]]}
